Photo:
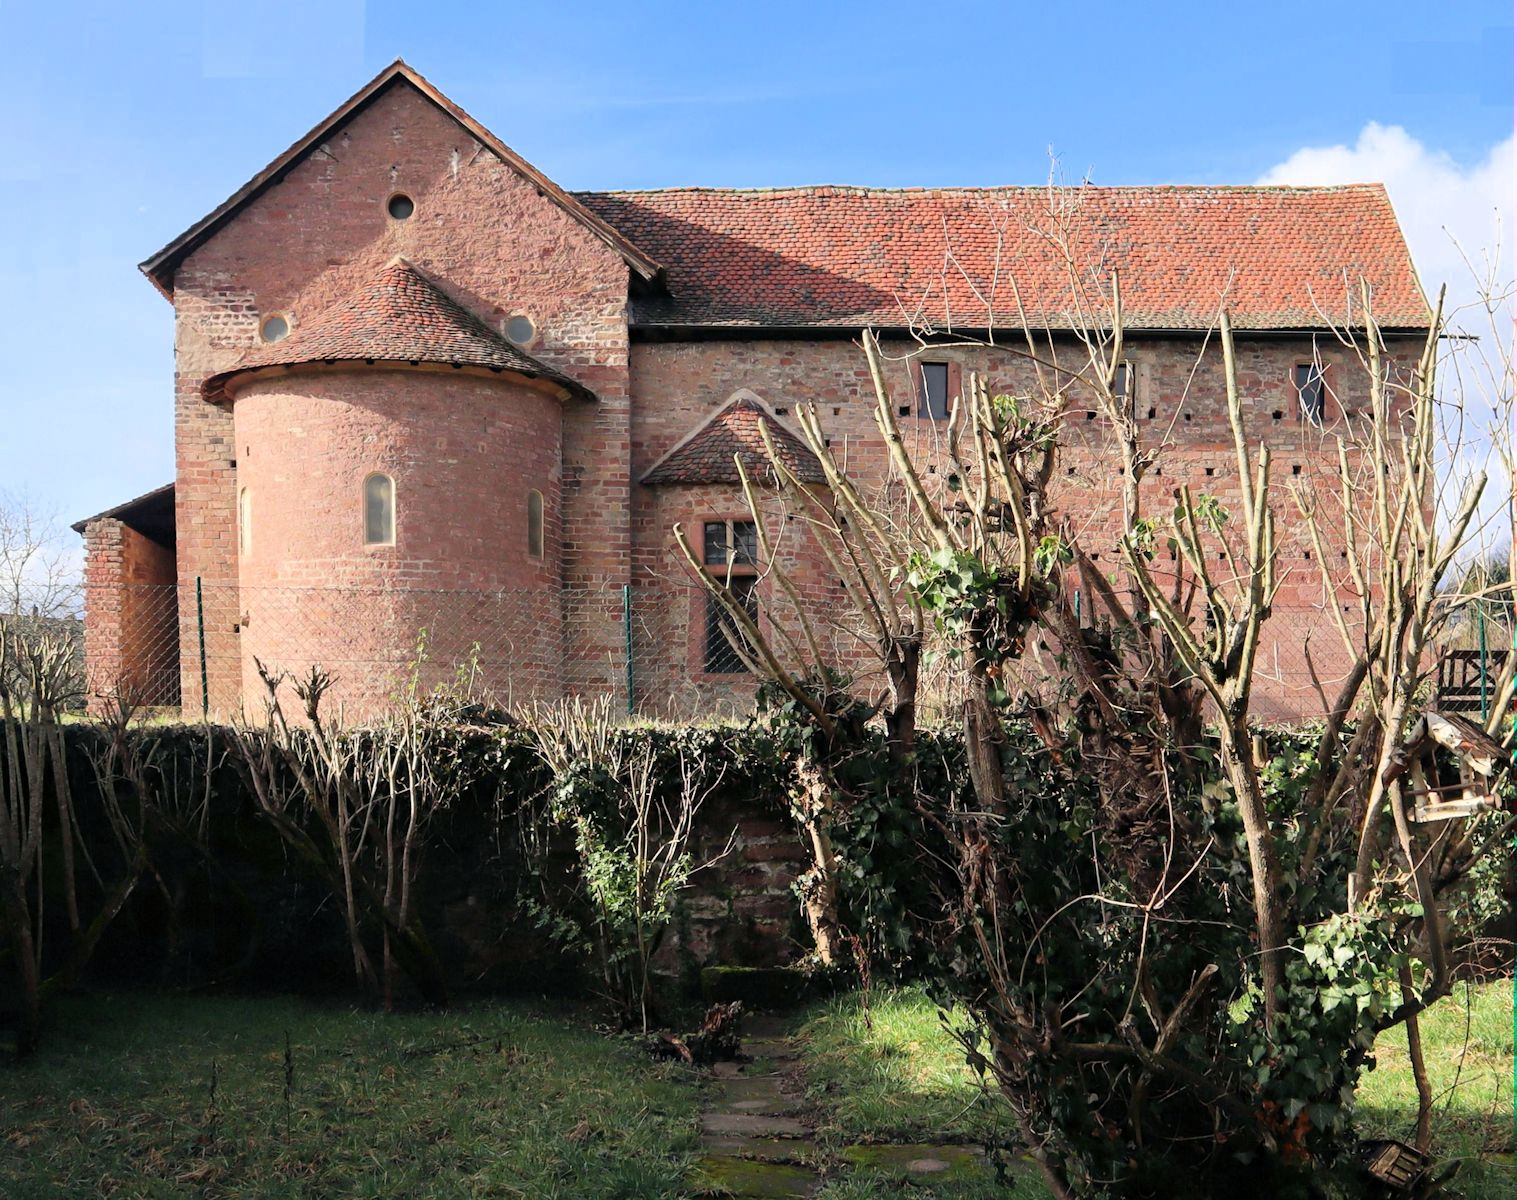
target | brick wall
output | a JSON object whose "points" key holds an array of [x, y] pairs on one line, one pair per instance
{"points": [[488, 238], [131, 615], [1180, 400], [669, 605], [463, 451]]}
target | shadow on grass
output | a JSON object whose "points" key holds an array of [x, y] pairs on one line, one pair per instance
{"points": [[901, 1077], [149, 1095]]}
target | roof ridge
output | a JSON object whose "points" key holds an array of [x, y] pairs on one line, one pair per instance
{"points": [[977, 189]]}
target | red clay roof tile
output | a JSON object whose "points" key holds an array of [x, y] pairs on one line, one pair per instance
{"points": [[399, 316], [707, 455], [835, 256]]}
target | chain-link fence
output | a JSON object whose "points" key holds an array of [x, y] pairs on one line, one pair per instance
{"points": [[201, 647], [1301, 664], [205, 647]]}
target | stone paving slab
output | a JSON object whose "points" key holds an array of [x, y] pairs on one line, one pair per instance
{"points": [[751, 1125], [775, 1106], [761, 1094], [753, 1087], [767, 1149], [773, 1049], [747, 1179], [755, 1147], [918, 1161]]}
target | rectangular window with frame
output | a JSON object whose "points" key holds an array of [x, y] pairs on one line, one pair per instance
{"points": [[1311, 392], [733, 543], [720, 657], [932, 391], [1122, 388], [1398, 384], [729, 551]]}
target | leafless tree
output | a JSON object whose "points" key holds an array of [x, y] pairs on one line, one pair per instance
{"points": [[39, 576], [635, 824], [1160, 664], [39, 682]]}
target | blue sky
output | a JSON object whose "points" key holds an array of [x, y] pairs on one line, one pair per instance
{"points": [[124, 123]]}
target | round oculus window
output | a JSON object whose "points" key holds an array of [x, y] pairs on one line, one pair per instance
{"points": [[520, 330], [400, 206], [274, 329]]}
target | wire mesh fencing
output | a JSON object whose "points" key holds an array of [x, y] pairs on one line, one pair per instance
{"points": [[1301, 665], [206, 648], [209, 648]]}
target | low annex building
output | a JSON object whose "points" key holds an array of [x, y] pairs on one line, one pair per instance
{"points": [[435, 413]]}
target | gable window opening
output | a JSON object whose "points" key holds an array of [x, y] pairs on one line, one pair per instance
{"points": [[1311, 391], [730, 553], [520, 330], [932, 391], [535, 523], [378, 510]]}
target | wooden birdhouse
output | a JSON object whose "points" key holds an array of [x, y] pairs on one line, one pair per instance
{"points": [[1395, 1164], [1461, 781]]}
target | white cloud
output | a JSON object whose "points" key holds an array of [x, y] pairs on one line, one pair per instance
{"points": [[1445, 206], [1452, 214]]}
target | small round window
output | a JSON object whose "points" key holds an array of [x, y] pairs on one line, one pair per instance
{"points": [[275, 328], [400, 206], [521, 330]]}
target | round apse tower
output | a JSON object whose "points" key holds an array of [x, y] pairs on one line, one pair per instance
{"points": [[398, 484]]}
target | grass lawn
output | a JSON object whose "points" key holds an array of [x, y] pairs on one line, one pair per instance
{"points": [[1467, 1043], [905, 1080], [493, 1100]]}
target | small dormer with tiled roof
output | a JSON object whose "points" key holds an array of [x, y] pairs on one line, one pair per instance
{"points": [[710, 452]]}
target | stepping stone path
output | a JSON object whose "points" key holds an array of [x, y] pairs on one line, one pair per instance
{"points": [[756, 1144], [753, 1143]]}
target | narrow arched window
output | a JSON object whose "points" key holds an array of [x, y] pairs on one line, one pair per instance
{"points": [[245, 522], [535, 523], [378, 510]]}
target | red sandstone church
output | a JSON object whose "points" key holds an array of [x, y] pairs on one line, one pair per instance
{"points": [[418, 386]]}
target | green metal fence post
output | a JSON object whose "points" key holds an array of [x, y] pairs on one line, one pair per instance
{"points": [[1485, 707], [627, 638], [205, 686]]}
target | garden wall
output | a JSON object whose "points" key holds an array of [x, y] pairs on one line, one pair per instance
{"points": [[226, 903], [230, 905]]}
